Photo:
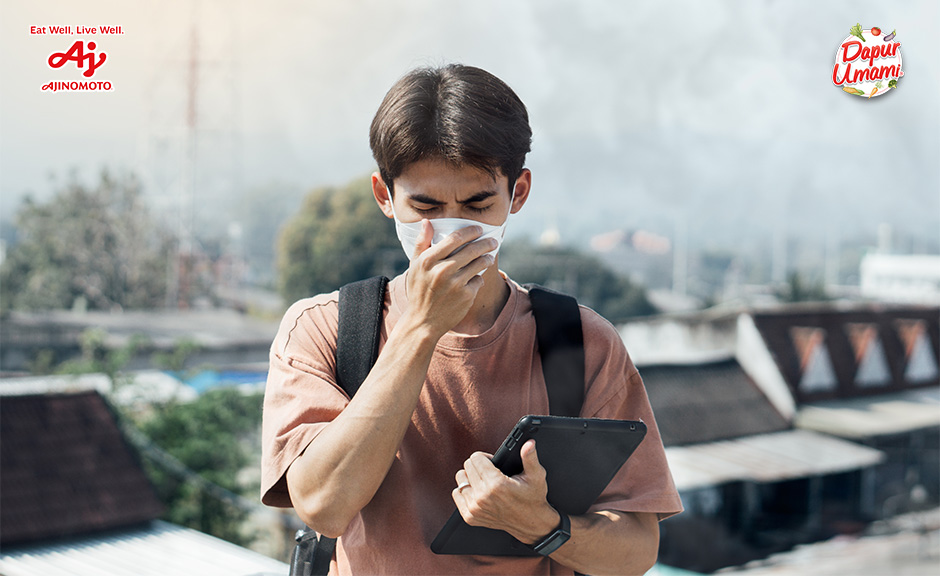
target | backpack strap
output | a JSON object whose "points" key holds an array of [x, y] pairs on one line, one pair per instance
{"points": [[360, 323], [357, 348], [561, 347]]}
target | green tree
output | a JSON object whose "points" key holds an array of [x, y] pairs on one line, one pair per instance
{"points": [[570, 271], [338, 236], [798, 289], [96, 247], [210, 436], [98, 358]]}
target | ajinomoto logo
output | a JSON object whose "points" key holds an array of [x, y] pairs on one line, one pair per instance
{"points": [[80, 53], [868, 62]]}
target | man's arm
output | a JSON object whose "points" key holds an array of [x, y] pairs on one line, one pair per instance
{"points": [[342, 468], [610, 542], [605, 542]]}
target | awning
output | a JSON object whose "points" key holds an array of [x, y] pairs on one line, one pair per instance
{"points": [[766, 458], [875, 415]]}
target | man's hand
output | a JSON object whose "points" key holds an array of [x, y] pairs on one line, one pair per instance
{"points": [[604, 542], [516, 504], [442, 284]]}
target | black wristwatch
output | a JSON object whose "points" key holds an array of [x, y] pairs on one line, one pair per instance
{"points": [[556, 538]]}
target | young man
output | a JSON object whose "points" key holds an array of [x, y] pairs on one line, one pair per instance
{"points": [[457, 367]]}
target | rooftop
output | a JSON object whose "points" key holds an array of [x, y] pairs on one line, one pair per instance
{"points": [[67, 469], [153, 549], [826, 352], [859, 418], [766, 458], [708, 401]]}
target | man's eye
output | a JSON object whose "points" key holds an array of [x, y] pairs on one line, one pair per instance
{"points": [[425, 210], [478, 209]]}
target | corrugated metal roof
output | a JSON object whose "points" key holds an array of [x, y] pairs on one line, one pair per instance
{"points": [[766, 458], [55, 384], [145, 386], [874, 416], [159, 549]]}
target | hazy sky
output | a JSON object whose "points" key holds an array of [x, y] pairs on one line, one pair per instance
{"points": [[721, 114]]}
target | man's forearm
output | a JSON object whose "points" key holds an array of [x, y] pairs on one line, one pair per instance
{"points": [[340, 471], [609, 542]]}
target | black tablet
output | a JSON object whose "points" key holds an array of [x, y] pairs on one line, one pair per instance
{"points": [[580, 456]]}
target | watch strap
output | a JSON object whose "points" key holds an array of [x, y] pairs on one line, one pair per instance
{"points": [[556, 538]]}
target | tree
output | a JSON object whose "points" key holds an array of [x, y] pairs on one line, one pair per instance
{"points": [[209, 436], [582, 276], [96, 247], [338, 236], [798, 289]]}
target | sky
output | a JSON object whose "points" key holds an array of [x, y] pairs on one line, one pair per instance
{"points": [[717, 117]]}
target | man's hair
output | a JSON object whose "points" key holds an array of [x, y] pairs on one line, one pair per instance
{"points": [[460, 114]]}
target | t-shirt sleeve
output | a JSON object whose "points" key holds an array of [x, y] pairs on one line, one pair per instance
{"points": [[614, 389], [301, 395]]}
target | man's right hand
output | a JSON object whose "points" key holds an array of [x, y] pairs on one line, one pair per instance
{"points": [[340, 471], [442, 285]]}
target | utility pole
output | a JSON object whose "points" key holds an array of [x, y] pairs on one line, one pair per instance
{"points": [[190, 157], [185, 255]]}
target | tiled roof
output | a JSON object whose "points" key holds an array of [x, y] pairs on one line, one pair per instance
{"points": [[827, 353], [67, 469], [708, 401]]}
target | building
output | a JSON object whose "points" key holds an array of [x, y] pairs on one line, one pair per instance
{"points": [[74, 500], [791, 424], [870, 374], [751, 484], [909, 279]]}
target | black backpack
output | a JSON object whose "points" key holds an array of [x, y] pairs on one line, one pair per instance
{"points": [[561, 348]]}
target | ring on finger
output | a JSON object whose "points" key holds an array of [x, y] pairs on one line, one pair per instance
{"points": [[462, 485]]}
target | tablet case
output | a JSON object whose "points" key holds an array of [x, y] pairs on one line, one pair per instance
{"points": [[580, 457]]}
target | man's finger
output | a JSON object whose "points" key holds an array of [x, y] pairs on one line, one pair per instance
{"points": [[530, 459], [480, 470], [424, 238], [460, 500], [455, 242]]}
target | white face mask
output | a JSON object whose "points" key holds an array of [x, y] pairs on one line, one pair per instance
{"points": [[408, 232]]}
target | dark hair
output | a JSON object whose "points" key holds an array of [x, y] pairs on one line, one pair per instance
{"points": [[461, 114]]}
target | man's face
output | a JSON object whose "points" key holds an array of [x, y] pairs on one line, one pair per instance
{"points": [[432, 188]]}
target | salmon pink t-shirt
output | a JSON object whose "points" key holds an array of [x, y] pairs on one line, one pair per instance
{"points": [[477, 388]]}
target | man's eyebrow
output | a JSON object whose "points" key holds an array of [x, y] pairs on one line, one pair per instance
{"points": [[478, 197], [425, 199]]}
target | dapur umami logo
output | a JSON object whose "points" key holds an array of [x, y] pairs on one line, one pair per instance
{"points": [[868, 62], [86, 57]]}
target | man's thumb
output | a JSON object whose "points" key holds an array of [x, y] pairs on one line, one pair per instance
{"points": [[530, 457], [424, 238]]}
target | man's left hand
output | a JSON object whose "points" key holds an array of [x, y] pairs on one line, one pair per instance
{"points": [[516, 504]]}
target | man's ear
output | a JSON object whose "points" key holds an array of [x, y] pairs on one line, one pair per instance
{"points": [[382, 196], [522, 187]]}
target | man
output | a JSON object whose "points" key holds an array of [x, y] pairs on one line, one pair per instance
{"points": [[457, 367]]}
